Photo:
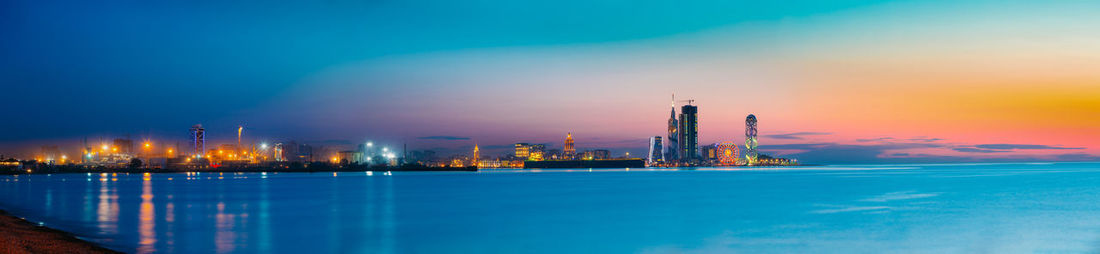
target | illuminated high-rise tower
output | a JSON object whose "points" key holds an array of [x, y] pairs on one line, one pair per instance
{"points": [[673, 134], [689, 133], [655, 150], [477, 154], [198, 140], [750, 139], [570, 151]]}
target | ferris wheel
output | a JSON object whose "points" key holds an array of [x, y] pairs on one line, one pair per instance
{"points": [[728, 153]]}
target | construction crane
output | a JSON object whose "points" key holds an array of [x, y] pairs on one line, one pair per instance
{"points": [[674, 101]]}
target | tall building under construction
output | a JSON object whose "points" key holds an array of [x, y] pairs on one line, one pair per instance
{"points": [[689, 133]]}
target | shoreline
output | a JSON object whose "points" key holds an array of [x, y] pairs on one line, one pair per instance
{"points": [[348, 169], [21, 236], [316, 169]]}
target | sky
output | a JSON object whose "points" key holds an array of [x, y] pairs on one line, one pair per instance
{"points": [[830, 81]]}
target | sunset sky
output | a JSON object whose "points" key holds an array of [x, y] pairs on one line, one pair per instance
{"points": [[830, 81]]}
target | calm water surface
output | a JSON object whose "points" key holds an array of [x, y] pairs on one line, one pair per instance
{"points": [[984, 208]]}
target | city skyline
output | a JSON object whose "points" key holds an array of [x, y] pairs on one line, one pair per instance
{"points": [[832, 82]]}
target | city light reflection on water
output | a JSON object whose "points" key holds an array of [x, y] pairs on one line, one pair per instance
{"points": [[913, 208], [147, 217]]}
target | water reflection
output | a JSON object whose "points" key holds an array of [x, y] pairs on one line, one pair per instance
{"points": [[89, 199], [107, 211], [378, 216], [147, 218], [388, 220], [169, 222], [224, 236], [265, 216]]}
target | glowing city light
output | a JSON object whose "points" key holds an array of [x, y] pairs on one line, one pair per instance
{"points": [[263, 146]]}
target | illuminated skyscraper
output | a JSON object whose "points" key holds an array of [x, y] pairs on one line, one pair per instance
{"points": [[689, 133], [477, 155], [750, 139], [673, 134], [655, 150], [198, 140], [570, 151]]}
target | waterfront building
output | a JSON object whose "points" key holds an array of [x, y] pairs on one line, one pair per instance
{"points": [[750, 139], [655, 150], [50, 155], [709, 153], [599, 154], [349, 157], [122, 146], [689, 133], [673, 135], [523, 150], [304, 153], [278, 151], [490, 164], [537, 152], [554, 154], [198, 140], [570, 151]]}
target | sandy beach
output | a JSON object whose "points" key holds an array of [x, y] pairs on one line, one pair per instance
{"points": [[21, 236]]}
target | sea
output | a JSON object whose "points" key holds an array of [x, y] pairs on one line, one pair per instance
{"points": [[908, 208]]}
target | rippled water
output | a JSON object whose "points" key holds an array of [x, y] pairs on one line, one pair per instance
{"points": [[990, 208]]}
